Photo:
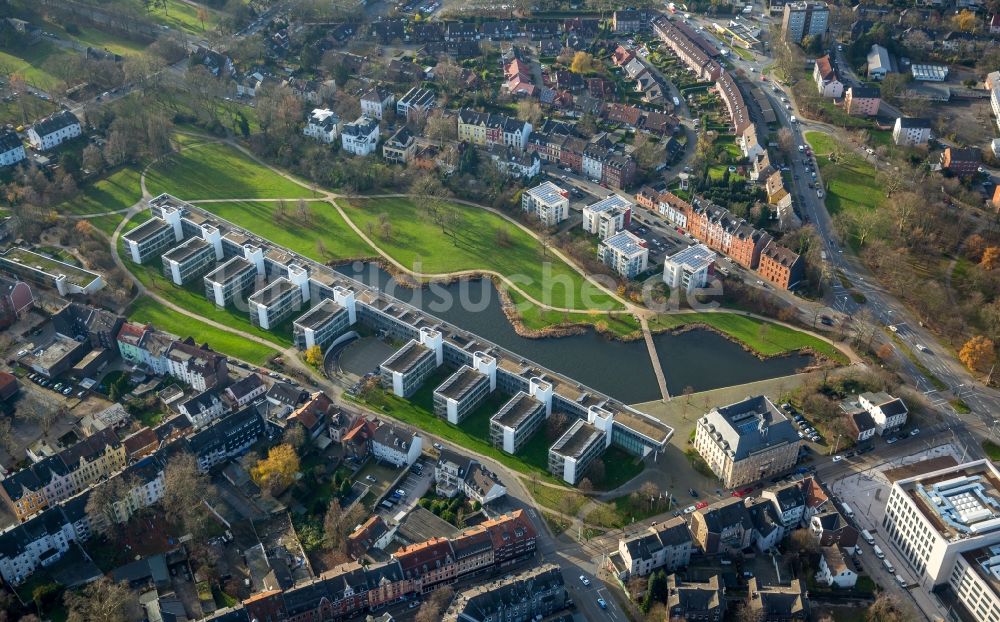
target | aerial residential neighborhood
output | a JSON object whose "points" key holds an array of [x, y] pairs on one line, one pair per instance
{"points": [[564, 311]]}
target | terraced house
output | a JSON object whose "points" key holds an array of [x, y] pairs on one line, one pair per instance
{"points": [[63, 475], [487, 129]]}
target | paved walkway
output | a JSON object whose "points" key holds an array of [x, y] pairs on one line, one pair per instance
{"points": [[661, 378]]}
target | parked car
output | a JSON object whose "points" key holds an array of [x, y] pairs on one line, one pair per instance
{"points": [[438, 446], [603, 604], [584, 580]]}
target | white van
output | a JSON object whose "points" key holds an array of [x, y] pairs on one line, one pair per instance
{"points": [[878, 552], [848, 512], [793, 119], [888, 565], [868, 537]]}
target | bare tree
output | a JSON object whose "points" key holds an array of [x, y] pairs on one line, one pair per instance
{"points": [[102, 601], [185, 488]]}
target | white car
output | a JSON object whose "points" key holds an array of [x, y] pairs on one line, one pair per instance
{"points": [[438, 446], [584, 580], [689, 509], [838, 458]]}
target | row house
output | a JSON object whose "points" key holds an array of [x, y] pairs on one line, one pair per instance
{"points": [[486, 129], [825, 77], [54, 130], [736, 107], [195, 365], [58, 477], [667, 545], [352, 589], [697, 53], [11, 148]]}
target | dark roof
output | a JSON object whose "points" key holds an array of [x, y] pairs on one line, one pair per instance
{"points": [[722, 515], [914, 123], [286, 393], [55, 123], [245, 386], [9, 140], [866, 92]]}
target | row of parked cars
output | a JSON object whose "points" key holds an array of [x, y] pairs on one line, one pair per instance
{"points": [[58, 387], [800, 422]]}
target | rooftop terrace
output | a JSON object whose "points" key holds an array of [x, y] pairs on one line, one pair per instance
{"points": [[24, 259]]}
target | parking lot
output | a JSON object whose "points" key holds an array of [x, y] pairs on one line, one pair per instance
{"points": [[397, 502]]}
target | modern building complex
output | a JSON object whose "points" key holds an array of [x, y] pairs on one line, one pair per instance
{"points": [[274, 303], [625, 253], [321, 325], [608, 216], [416, 103], [52, 131], [747, 441], [934, 518], [580, 445], [231, 282], [516, 422], [688, 269], [151, 239], [547, 202], [911, 131], [43, 270], [405, 371], [805, 19], [461, 393], [186, 262]]}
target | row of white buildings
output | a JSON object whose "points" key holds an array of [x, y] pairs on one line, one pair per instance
{"points": [[44, 135]]}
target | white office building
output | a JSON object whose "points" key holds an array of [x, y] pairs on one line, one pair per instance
{"points": [[689, 269]]}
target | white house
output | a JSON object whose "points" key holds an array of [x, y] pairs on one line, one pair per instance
{"points": [[911, 131], [607, 216], [322, 124], [376, 102], [888, 412], [11, 149], [688, 269], [455, 473], [827, 82], [247, 87], [625, 253], [203, 408], [54, 130], [395, 445], [361, 136], [833, 569]]}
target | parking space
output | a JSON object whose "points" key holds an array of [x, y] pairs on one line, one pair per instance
{"points": [[404, 496]]}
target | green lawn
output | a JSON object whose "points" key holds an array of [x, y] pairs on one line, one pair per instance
{"points": [[147, 310], [38, 64], [764, 338], [850, 182], [324, 237], [117, 191], [472, 244], [97, 38], [218, 171], [992, 450], [109, 223], [183, 16], [617, 324], [192, 297]]}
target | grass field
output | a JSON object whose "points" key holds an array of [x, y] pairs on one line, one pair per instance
{"points": [[147, 310], [324, 237], [192, 297], [536, 318], [38, 64], [218, 171], [97, 38], [119, 190], [850, 183], [108, 223], [764, 338], [472, 244], [183, 16]]}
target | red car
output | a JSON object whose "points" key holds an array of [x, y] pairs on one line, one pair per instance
{"points": [[736, 493], [701, 505]]}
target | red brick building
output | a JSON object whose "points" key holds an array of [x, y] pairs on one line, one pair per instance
{"points": [[780, 265]]}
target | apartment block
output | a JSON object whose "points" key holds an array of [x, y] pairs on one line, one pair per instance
{"points": [[321, 325], [231, 282], [11, 148], [547, 202], [460, 394], [274, 303], [805, 19], [746, 441], [689, 269], [963, 162], [150, 239], [890, 413], [227, 438], [911, 131], [516, 422], [580, 445], [693, 49], [693, 600], [532, 594], [863, 101], [723, 528], [197, 366], [625, 253], [394, 445], [780, 266], [186, 262], [777, 603], [607, 216], [203, 408], [666, 545]]}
